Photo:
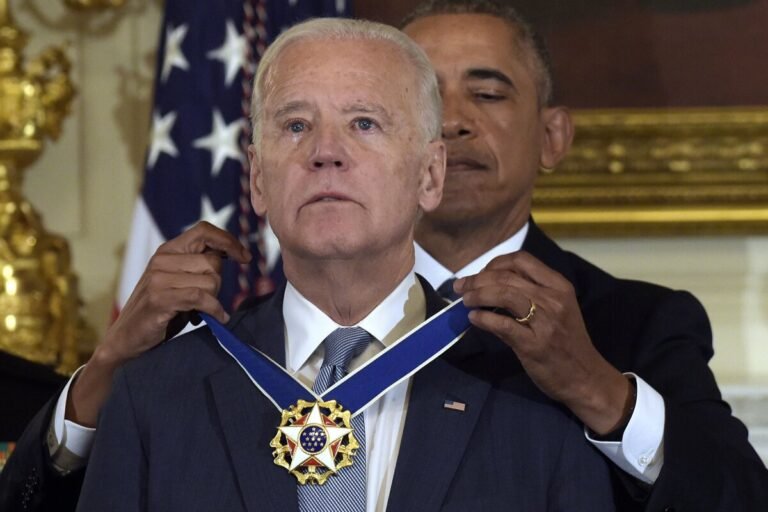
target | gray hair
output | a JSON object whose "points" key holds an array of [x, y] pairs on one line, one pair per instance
{"points": [[527, 36], [428, 99]]}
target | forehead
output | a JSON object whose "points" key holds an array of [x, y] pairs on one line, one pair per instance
{"points": [[455, 43], [355, 70]]}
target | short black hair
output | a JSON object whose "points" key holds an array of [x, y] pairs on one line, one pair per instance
{"points": [[527, 36]]}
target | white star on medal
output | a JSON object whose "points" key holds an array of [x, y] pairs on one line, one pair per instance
{"points": [[327, 455]]}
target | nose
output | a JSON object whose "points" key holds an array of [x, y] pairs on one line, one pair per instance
{"points": [[329, 151], [457, 124]]}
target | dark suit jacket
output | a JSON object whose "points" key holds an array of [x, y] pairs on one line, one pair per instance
{"points": [[25, 387], [186, 430], [662, 335]]}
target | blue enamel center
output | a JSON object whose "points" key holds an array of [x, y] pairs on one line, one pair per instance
{"points": [[313, 439]]}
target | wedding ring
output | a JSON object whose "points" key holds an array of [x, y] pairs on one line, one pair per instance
{"points": [[527, 318]]}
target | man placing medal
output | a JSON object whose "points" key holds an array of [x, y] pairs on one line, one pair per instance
{"points": [[352, 387]]}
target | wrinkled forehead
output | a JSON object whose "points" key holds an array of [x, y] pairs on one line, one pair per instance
{"points": [[368, 73], [379, 59]]}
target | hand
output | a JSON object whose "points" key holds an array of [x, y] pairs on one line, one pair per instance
{"points": [[554, 346], [183, 276]]}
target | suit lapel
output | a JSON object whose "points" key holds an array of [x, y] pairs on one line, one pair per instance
{"points": [[424, 467], [545, 249], [249, 420]]}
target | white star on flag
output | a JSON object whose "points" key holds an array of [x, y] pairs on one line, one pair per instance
{"points": [[160, 139], [174, 57], [223, 142], [218, 218], [231, 53], [326, 456]]}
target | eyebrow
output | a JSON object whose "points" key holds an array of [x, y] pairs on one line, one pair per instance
{"points": [[488, 74], [291, 107], [367, 108], [299, 105]]}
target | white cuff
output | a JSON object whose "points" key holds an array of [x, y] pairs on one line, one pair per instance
{"points": [[640, 451], [69, 444]]}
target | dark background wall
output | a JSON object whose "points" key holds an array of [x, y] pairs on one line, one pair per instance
{"points": [[644, 53]]}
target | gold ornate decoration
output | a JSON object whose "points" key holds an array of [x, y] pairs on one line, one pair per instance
{"points": [[314, 441], [94, 4], [39, 305], [660, 172]]}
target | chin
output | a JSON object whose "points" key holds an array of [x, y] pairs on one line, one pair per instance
{"points": [[454, 212], [329, 248]]}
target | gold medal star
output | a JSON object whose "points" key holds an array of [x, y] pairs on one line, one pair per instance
{"points": [[314, 438]]}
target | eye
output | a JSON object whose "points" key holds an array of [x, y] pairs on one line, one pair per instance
{"points": [[364, 124], [297, 126], [488, 96]]}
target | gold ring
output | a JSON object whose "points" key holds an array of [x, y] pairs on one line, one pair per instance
{"points": [[527, 318]]}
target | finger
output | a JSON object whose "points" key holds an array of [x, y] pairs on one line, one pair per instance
{"points": [[504, 327], [204, 236], [205, 263], [182, 300], [495, 278], [530, 267], [511, 300], [157, 281]]}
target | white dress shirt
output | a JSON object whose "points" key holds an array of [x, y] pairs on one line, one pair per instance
{"points": [[639, 452]]}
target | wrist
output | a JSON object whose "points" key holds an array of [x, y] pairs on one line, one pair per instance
{"points": [[607, 404], [617, 433], [91, 387]]}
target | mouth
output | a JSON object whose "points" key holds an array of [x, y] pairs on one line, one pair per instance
{"points": [[463, 163], [327, 197]]}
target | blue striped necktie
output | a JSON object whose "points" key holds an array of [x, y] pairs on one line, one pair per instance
{"points": [[345, 491]]}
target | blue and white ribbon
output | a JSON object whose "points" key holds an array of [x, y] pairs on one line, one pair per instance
{"points": [[364, 386]]}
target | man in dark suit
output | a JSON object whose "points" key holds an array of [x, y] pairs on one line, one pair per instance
{"points": [[628, 359], [347, 154], [661, 336]]}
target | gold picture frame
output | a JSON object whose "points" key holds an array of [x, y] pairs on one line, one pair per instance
{"points": [[660, 172]]}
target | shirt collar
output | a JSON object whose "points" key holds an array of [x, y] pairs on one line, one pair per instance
{"points": [[306, 326], [436, 274]]}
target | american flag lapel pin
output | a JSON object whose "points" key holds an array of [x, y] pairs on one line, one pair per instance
{"points": [[454, 405]]}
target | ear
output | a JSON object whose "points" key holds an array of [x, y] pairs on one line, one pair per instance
{"points": [[432, 176], [257, 183], [558, 136]]}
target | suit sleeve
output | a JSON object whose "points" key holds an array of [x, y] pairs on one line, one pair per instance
{"points": [[116, 476], [709, 464], [581, 480], [29, 482]]}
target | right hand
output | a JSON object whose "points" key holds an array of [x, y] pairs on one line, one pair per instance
{"points": [[183, 276]]}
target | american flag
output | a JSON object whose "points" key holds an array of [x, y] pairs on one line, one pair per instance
{"points": [[196, 166]]}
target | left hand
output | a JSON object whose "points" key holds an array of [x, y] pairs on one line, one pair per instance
{"points": [[554, 346]]}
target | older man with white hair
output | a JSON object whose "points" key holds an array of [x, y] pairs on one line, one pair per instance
{"points": [[402, 414]]}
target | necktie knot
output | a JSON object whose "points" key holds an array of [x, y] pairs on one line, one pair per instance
{"points": [[341, 346]]}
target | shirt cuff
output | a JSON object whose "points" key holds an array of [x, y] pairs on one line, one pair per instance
{"points": [[69, 444], [640, 451]]}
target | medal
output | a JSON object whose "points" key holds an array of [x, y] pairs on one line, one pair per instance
{"points": [[315, 438]]}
